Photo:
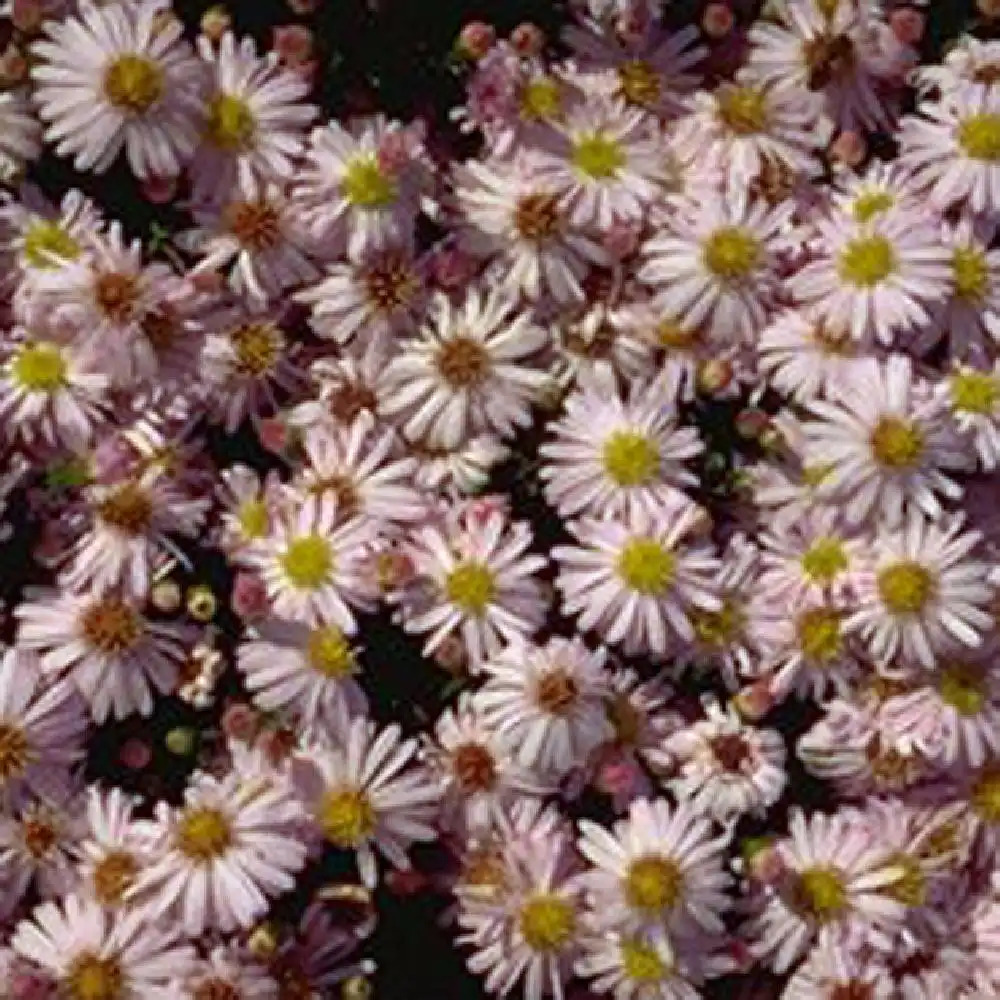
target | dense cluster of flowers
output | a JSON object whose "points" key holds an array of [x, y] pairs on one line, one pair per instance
{"points": [[723, 662]]}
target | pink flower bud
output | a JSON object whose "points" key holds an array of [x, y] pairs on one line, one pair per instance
{"points": [[405, 883], [528, 39], [751, 423], [907, 25], [135, 754], [768, 866], [621, 239], [394, 152], [13, 66], [27, 15], [451, 655], [452, 269], [240, 722], [215, 22], [476, 39], [249, 599], [293, 43], [30, 986], [850, 148], [619, 777], [159, 190], [755, 701], [273, 434], [717, 20]]}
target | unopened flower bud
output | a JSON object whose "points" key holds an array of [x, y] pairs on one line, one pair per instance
{"points": [[476, 39], [451, 655], [215, 22], [717, 20], [202, 603], [528, 39], [850, 148], [27, 15], [755, 701], [181, 741], [263, 942], [907, 25], [159, 190], [621, 239], [135, 754], [241, 722], [714, 376], [303, 7], [166, 596], [249, 599], [293, 43], [356, 988], [751, 423]]}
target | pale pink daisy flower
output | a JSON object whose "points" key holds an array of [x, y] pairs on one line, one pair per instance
{"points": [[661, 866], [128, 531], [473, 578], [475, 769], [105, 646], [604, 158], [546, 703], [635, 580], [969, 62], [377, 297], [986, 942], [314, 563], [257, 235], [610, 452], [953, 149], [804, 358], [880, 278], [638, 966], [831, 876], [725, 768], [120, 75], [364, 792], [307, 674], [366, 468], [232, 845], [247, 503], [228, 974], [836, 970], [256, 118], [21, 132], [363, 187], [532, 930], [716, 265], [42, 727], [973, 397], [91, 953], [465, 469], [923, 590], [473, 367], [746, 126], [882, 187], [886, 438], [510, 215], [49, 393]]}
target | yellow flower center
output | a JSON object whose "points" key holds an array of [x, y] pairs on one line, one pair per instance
{"points": [[731, 253], [546, 922], [133, 83], [974, 392], [897, 443], [971, 272], [258, 348], [979, 136], [825, 560], [597, 156], [111, 626], [646, 566], [471, 586], [653, 884], [866, 261], [638, 83], [868, 204], [308, 562], [463, 362], [986, 795], [630, 458], [39, 367], [346, 818], [231, 124], [742, 109], [641, 962], [962, 686], [718, 628], [541, 99], [910, 888], [254, 519], [113, 876], [819, 637], [366, 185], [14, 751], [329, 653], [92, 978], [905, 587], [47, 244], [823, 892], [203, 834]]}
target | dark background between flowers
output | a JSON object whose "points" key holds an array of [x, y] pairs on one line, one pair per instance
{"points": [[396, 56]]}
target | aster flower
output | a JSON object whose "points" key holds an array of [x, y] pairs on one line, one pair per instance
{"points": [[365, 793], [716, 265], [105, 646], [635, 580], [953, 149], [659, 866], [256, 118], [119, 75], [882, 187], [924, 589], [92, 954], [969, 62], [726, 768], [634, 967], [879, 278], [220, 856], [21, 131], [470, 369], [472, 577], [886, 439], [604, 159], [313, 562], [609, 452], [973, 396], [364, 185], [835, 969], [546, 703], [308, 674], [225, 972], [511, 216]]}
